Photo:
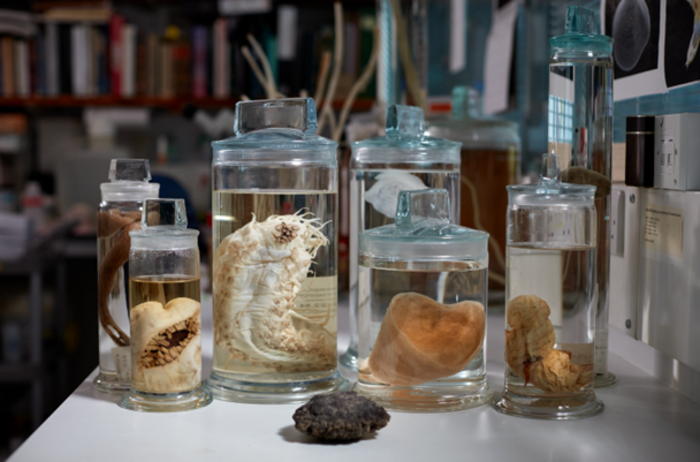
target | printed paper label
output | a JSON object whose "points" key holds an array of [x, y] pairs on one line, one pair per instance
{"points": [[318, 299], [122, 361], [581, 353], [157, 380], [663, 229], [601, 351]]}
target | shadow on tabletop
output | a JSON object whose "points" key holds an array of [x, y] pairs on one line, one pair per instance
{"points": [[291, 435]]}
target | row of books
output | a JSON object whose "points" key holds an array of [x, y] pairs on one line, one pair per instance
{"points": [[108, 55]]}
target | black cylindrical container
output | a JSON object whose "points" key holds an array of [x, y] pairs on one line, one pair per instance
{"points": [[639, 151]]}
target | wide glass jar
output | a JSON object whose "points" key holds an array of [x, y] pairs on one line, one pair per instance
{"points": [[405, 159], [165, 315], [490, 161], [423, 307], [275, 259], [118, 214], [550, 299]]}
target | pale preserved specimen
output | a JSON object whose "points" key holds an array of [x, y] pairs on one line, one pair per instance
{"points": [[109, 223], [530, 349], [384, 194], [421, 340], [166, 351], [258, 272]]}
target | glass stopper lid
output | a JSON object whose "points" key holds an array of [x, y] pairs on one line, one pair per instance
{"points": [[129, 180], [130, 170], [550, 190], [405, 136], [164, 212], [423, 230]]}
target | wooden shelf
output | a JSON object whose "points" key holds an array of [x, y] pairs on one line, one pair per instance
{"points": [[173, 104]]}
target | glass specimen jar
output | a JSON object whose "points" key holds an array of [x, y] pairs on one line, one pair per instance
{"points": [[550, 299], [275, 233], [422, 317], [580, 133], [490, 156], [405, 159], [166, 333], [119, 213]]}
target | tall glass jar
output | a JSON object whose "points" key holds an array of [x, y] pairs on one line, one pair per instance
{"points": [[118, 214], [490, 157], [166, 319], [550, 299], [422, 317], [275, 239], [580, 133], [405, 159]]}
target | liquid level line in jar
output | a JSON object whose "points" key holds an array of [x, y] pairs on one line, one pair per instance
{"points": [[274, 281]]}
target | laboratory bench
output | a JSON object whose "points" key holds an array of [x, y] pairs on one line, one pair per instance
{"points": [[643, 420]]}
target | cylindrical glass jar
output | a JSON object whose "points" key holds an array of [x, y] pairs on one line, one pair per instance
{"points": [[118, 214], [490, 161], [166, 324], [405, 159], [275, 240], [550, 299], [422, 317], [580, 133]]}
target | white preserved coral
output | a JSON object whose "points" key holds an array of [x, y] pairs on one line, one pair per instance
{"points": [[258, 273], [166, 348]]}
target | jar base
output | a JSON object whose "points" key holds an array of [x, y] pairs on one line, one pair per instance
{"points": [[110, 383], [227, 389], [166, 402], [349, 359], [426, 399], [549, 408], [604, 380]]}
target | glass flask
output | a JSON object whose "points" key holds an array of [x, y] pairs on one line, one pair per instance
{"points": [[423, 305], [165, 316], [580, 133], [380, 167], [550, 299], [490, 157], [275, 234], [118, 214]]}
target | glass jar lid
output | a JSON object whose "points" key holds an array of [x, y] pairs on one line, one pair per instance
{"points": [[469, 125], [264, 127], [423, 231], [550, 190], [129, 181], [405, 140], [163, 226], [581, 34]]}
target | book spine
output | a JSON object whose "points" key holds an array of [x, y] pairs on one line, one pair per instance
{"points": [[129, 61], [51, 59], [22, 68], [8, 71], [199, 74], [182, 69], [116, 25], [79, 61], [65, 63], [153, 58], [222, 59]]}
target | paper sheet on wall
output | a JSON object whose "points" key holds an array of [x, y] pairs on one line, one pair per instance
{"points": [[499, 55]]}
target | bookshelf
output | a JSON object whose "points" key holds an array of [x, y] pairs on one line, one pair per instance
{"points": [[171, 104]]}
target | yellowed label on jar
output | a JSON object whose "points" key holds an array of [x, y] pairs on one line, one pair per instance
{"points": [[157, 380], [581, 353], [318, 299], [122, 362], [663, 229]]}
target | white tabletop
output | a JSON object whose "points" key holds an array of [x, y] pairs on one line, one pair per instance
{"points": [[643, 420]]}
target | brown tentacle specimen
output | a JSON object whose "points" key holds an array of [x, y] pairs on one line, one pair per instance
{"points": [[108, 224]]}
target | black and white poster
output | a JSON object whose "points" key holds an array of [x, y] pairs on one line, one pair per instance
{"points": [[636, 27], [681, 57]]}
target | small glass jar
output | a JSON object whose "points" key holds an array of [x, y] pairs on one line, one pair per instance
{"points": [[550, 299], [275, 234], [423, 306], [166, 326], [405, 159], [118, 214]]}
